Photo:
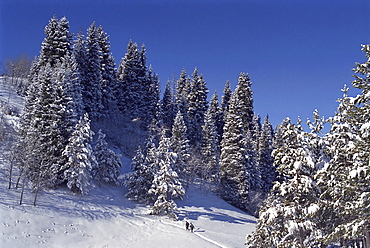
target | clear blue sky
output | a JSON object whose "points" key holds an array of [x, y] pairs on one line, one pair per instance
{"points": [[298, 53]]}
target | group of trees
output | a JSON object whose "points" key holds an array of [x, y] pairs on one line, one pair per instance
{"points": [[223, 146], [322, 193], [53, 147], [74, 83]]}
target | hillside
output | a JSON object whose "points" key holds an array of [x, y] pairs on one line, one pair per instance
{"points": [[105, 218]]}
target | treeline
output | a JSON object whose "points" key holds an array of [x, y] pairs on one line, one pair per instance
{"points": [[74, 84]]}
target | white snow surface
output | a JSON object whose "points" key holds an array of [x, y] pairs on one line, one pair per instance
{"points": [[105, 218]]}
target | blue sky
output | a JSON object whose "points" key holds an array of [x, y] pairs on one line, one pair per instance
{"points": [[299, 53]]}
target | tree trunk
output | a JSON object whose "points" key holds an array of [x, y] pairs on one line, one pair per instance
{"points": [[36, 193], [21, 200]]}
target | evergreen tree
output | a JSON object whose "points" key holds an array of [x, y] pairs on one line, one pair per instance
{"points": [[182, 93], [344, 198], [57, 42], [80, 156], [245, 96], [166, 185], [108, 162], [180, 146], [216, 117], [92, 88], [151, 108], [251, 165], [226, 97], [265, 159], [234, 179], [197, 100], [168, 107], [287, 218], [209, 169], [139, 181], [108, 71], [134, 86]]}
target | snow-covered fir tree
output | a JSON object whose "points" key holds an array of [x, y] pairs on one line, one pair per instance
{"points": [[180, 146], [166, 185], [92, 88], [245, 95], [80, 156], [217, 117], [133, 85], [108, 162], [234, 178], [251, 165], [183, 86], [345, 196], [265, 159], [57, 42], [287, 217], [197, 107], [108, 71], [144, 166], [151, 100], [209, 169], [168, 107]]}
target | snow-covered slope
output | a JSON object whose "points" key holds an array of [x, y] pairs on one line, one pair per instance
{"points": [[105, 218]]}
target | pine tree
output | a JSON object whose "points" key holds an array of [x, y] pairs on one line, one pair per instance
{"points": [[108, 71], [108, 162], [216, 117], [145, 166], [180, 146], [226, 97], [345, 197], [197, 100], [209, 168], [92, 88], [265, 159], [151, 108], [245, 96], [287, 218], [166, 185], [234, 180], [134, 85], [57, 42], [81, 160], [168, 107]]}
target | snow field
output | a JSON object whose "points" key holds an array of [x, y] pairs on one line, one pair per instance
{"points": [[104, 218]]}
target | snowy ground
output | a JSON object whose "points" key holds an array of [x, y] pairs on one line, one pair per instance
{"points": [[105, 218]]}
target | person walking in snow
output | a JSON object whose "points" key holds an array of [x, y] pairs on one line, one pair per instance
{"points": [[186, 225], [191, 227]]}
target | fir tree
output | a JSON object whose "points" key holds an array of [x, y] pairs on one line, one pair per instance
{"points": [[92, 88], [209, 146], [81, 160], [168, 107], [108, 71], [134, 86], [57, 42], [245, 96], [234, 179], [139, 181], [180, 146], [108, 162], [287, 218], [166, 185], [197, 107], [265, 159]]}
